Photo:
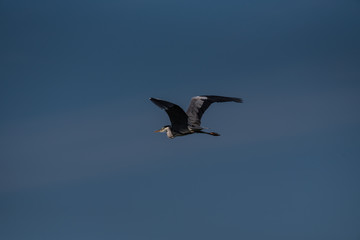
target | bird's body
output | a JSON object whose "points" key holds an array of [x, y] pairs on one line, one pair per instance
{"points": [[187, 123]]}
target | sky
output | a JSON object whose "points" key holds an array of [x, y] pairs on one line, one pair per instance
{"points": [[79, 158]]}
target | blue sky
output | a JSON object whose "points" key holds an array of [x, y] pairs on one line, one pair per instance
{"points": [[78, 156]]}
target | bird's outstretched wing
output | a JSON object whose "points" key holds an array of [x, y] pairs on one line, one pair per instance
{"points": [[178, 117], [199, 104]]}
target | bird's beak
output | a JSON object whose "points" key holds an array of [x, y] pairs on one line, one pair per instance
{"points": [[158, 130]]}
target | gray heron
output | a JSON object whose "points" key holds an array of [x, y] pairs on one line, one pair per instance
{"points": [[188, 123]]}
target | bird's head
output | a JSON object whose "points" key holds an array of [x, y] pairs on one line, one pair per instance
{"points": [[164, 129]]}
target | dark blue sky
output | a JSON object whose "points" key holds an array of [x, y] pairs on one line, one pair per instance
{"points": [[78, 156]]}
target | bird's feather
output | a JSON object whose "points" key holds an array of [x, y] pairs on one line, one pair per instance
{"points": [[178, 117], [199, 104]]}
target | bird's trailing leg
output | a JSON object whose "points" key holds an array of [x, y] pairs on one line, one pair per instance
{"points": [[210, 133], [214, 134]]}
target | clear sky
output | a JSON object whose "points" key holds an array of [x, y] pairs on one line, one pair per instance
{"points": [[78, 156]]}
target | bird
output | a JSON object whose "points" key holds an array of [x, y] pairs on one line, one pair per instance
{"points": [[188, 123]]}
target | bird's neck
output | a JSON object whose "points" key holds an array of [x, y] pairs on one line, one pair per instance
{"points": [[169, 132]]}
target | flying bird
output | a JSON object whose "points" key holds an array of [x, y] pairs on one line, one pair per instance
{"points": [[188, 123]]}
